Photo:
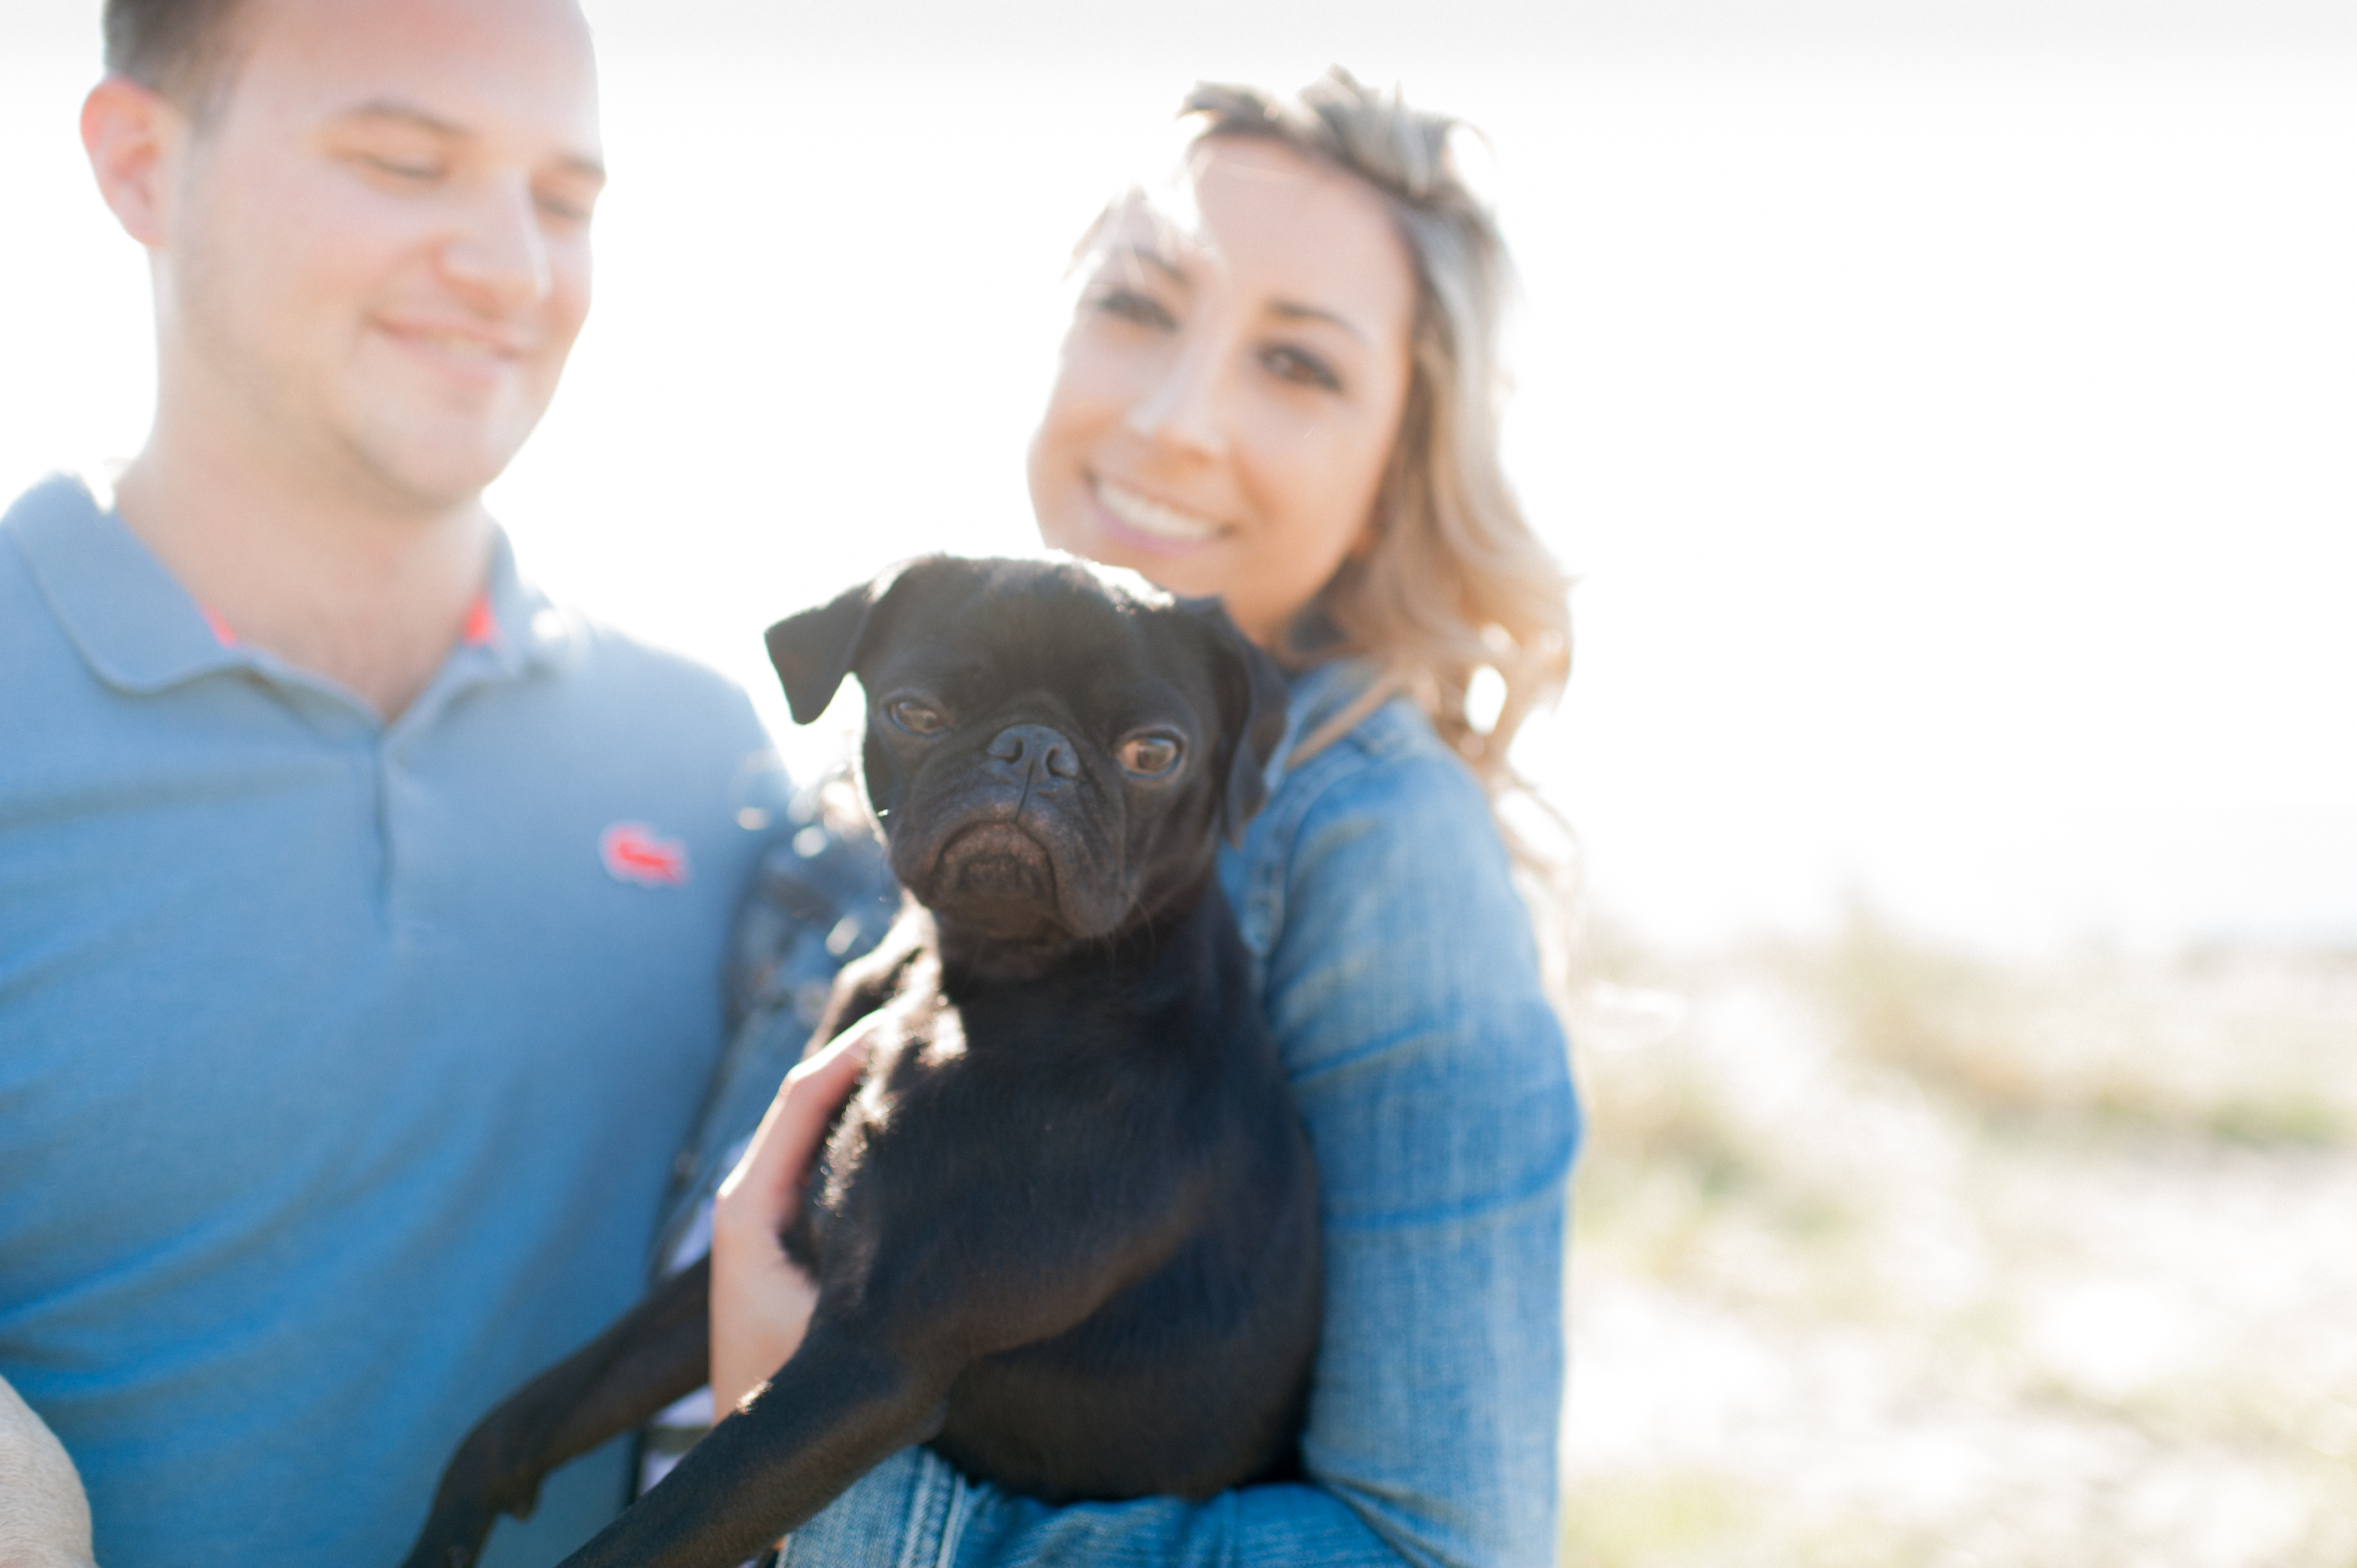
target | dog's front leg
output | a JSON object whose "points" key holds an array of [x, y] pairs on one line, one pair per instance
{"points": [[846, 1402], [656, 1353]]}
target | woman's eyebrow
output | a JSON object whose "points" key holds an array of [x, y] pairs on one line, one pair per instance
{"points": [[1160, 262], [1293, 310]]}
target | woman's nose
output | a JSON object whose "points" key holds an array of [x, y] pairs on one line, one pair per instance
{"points": [[1183, 405]]}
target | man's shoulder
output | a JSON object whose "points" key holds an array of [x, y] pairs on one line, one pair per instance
{"points": [[55, 557], [613, 658], [632, 704], [61, 494], [51, 519], [594, 676]]}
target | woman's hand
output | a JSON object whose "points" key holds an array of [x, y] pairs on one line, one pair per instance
{"points": [[761, 1300]]}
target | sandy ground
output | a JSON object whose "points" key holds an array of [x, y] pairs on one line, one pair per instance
{"points": [[1886, 1256]]}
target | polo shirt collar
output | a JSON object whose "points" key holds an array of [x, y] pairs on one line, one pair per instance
{"points": [[129, 616], [516, 625], [141, 632]]}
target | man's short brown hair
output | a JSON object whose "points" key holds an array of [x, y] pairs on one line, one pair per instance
{"points": [[180, 48]]}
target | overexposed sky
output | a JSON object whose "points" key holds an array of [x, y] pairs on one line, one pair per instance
{"points": [[1948, 409]]}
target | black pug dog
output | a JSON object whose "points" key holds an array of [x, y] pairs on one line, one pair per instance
{"points": [[1066, 1230]]}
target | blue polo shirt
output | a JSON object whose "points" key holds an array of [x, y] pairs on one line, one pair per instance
{"points": [[341, 1063]]}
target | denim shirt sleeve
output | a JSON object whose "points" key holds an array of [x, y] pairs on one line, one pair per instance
{"points": [[1402, 986]]}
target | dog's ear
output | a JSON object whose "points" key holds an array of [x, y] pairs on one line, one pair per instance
{"points": [[1252, 698], [815, 649]]}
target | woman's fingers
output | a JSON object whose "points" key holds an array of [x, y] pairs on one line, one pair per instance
{"points": [[761, 1302], [768, 1179]]}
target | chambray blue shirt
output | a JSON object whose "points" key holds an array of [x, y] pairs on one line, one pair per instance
{"points": [[341, 1063], [1398, 972]]}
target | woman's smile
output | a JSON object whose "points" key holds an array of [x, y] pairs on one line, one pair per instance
{"points": [[1153, 524]]}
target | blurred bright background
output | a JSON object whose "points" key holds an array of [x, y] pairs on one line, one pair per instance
{"points": [[1951, 411], [1948, 407]]}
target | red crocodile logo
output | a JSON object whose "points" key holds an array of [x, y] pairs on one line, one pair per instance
{"points": [[633, 853]]}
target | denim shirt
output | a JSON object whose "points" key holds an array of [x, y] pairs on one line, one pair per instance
{"points": [[1399, 975]]}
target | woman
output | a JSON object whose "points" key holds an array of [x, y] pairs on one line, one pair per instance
{"points": [[1285, 399]]}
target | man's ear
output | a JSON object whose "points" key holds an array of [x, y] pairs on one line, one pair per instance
{"points": [[133, 135], [814, 650], [1253, 699]]}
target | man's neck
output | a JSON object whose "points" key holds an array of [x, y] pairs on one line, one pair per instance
{"points": [[370, 597]]}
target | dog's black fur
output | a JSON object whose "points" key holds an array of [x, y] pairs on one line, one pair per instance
{"points": [[1066, 1230]]}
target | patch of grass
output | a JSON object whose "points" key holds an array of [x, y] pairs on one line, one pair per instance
{"points": [[1893, 1256], [1653, 1520], [2248, 1051], [2290, 1119], [1659, 1114], [1672, 1134]]}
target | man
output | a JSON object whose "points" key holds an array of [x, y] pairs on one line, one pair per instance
{"points": [[361, 912]]}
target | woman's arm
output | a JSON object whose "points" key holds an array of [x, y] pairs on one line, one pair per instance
{"points": [[43, 1517], [1403, 988]]}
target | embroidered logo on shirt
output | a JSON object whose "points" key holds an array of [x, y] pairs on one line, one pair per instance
{"points": [[633, 853]]}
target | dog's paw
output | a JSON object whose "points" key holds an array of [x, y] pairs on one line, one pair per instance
{"points": [[454, 1533]]}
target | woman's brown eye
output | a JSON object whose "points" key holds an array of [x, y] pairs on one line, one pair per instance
{"points": [[1149, 753], [917, 718], [1301, 367]]}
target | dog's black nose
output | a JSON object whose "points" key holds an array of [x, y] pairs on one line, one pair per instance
{"points": [[1038, 748]]}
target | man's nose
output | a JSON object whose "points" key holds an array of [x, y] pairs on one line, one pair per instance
{"points": [[500, 252], [1033, 750], [1181, 406]]}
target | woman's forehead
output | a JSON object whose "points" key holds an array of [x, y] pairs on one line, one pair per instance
{"points": [[1260, 215]]}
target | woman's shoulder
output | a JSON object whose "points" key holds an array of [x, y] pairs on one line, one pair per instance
{"points": [[1383, 811], [1388, 766], [1398, 959]]}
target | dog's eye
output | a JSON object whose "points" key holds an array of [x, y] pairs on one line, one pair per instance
{"points": [[1149, 753], [916, 717]]}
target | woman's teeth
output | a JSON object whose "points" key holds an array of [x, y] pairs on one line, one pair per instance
{"points": [[1154, 518]]}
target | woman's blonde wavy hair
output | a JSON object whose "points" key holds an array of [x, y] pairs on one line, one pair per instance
{"points": [[1453, 580]]}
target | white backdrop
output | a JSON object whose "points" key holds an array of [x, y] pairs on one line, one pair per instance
{"points": [[1952, 411]]}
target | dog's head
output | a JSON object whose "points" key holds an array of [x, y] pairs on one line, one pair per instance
{"points": [[1052, 756]]}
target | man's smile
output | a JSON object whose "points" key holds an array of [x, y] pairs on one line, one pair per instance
{"points": [[469, 349]]}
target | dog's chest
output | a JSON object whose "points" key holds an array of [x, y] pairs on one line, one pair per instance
{"points": [[1005, 1090]]}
